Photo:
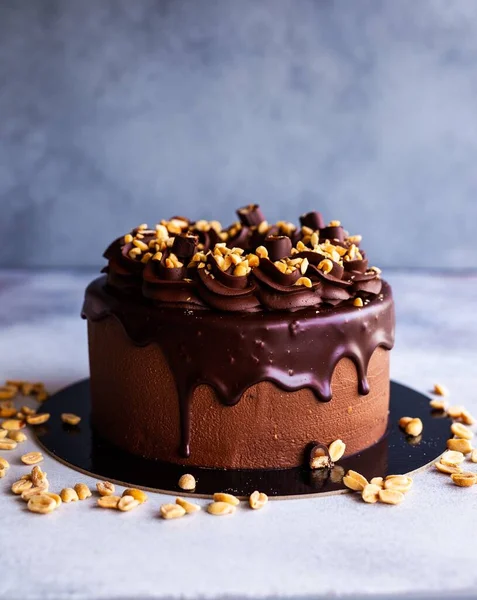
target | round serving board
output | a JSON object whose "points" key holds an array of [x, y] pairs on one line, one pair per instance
{"points": [[81, 448]]}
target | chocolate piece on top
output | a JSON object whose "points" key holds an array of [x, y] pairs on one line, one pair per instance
{"points": [[250, 215], [333, 233], [313, 220], [278, 246], [185, 244]]}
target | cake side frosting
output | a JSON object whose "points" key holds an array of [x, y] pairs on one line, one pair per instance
{"points": [[232, 352], [136, 406]]}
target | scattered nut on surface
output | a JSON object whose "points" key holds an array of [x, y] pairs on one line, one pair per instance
{"points": [[26, 388], [26, 410], [21, 486], [379, 481], [440, 390], [466, 417], [7, 444], [464, 479], [127, 503], [13, 424], [455, 412], [414, 427], [70, 419], [390, 496], [38, 477], [172, 511], [42, 504], [187, 482], [473, 456], [355, 481], [370, 493], [403, 421], [32, 458], [3, 433], [69, 495], [16, 383], [459, 445], [448, 469], [34, 491], [229, 498], [461, 431], [7, 392], [138, 495], [257, 500], [401, 483], [34, 388], [189, 507], [438, 404], [17, 436], [109, 501], [37, 419], [105, 488], [83, 491], [337, 450], [452, 458], [220, 509], [4, 464], [7, 412], [55, 497]]}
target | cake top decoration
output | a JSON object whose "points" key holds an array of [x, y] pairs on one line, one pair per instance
{"points": [[250, 266]]}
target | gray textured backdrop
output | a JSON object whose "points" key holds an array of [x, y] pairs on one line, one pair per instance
{"points": [[117, 112]]}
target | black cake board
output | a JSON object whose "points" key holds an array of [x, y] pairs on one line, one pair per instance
{"points": [[82, 449]]}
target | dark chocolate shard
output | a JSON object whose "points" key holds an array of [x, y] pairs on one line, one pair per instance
{"points": [[332, 232], [356, 265], [313, 220], [278, 246], [185, 245], [250, 215]]}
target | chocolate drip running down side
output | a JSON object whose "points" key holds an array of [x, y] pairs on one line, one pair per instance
{"points": [[233, 351]]}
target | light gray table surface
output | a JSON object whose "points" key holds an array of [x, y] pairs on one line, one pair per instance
{"points": [[333, 546]]}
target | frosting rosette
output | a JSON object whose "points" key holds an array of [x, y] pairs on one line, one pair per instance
{"points": [[127, 257], [224, 283]]}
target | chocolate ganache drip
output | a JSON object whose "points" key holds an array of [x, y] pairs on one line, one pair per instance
{"points": [[206, 294]]}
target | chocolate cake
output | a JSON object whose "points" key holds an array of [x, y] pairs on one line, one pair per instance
{"points": [[239, 347]]}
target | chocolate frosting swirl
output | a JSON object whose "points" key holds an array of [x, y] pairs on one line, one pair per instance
{"points": [[200, 264], [313, 220]]}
